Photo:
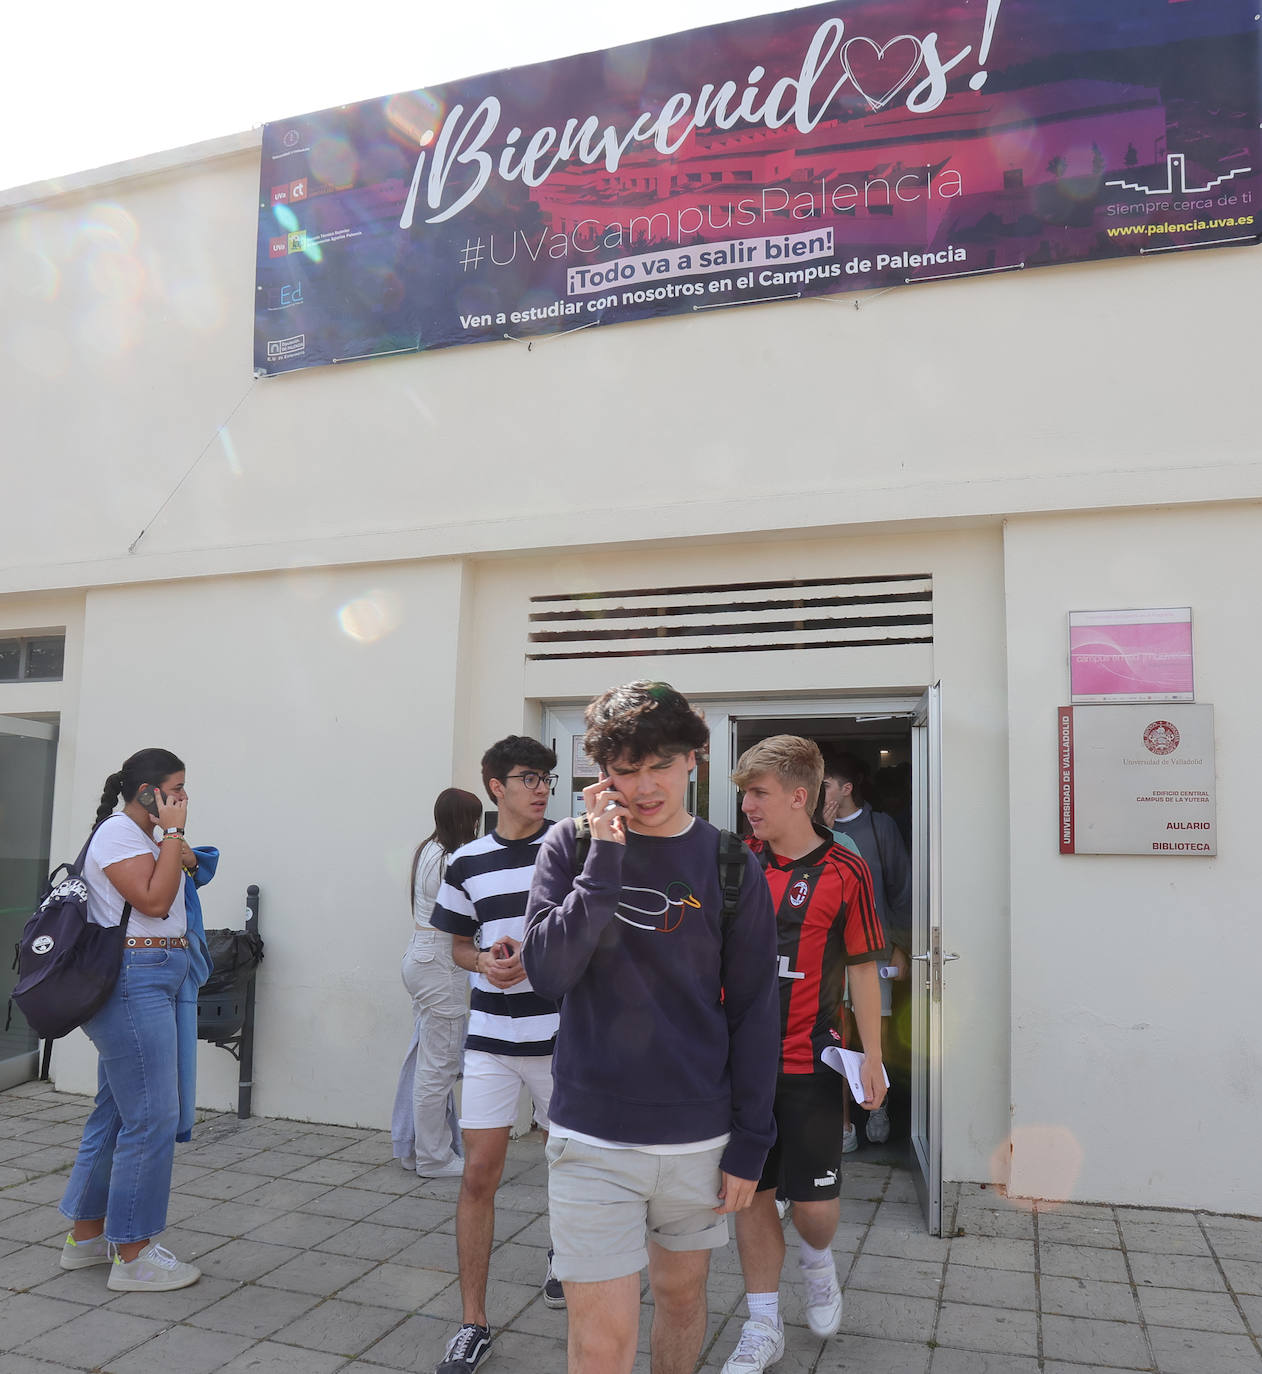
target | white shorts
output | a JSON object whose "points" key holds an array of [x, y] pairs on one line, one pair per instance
{"points": [[492, 1085]]}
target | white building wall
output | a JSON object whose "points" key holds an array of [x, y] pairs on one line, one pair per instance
{"points": [[1136, 1058]]}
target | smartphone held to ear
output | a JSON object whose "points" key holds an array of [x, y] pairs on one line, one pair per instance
{"points": [[148, 798]]}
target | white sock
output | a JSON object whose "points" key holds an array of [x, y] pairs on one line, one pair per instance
{"points": [[764, 1306], [814, 1259]]}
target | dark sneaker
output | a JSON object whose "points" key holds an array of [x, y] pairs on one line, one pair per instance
{"points": [[466, 1350], [553, 1292]]}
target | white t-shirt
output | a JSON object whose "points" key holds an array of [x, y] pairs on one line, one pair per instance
{"points": [[120, 838], [429, 878]]}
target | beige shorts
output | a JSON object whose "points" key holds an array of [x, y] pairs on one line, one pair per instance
{"points": [[605, 1205]]}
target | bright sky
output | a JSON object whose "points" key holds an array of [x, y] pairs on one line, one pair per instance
{"points": [[86, 84]]}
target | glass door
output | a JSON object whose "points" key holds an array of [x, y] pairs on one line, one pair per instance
{"points": [[28, 755], [927, 959]]}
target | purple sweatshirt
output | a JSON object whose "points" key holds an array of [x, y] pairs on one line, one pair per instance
{"points": [[670, 1033]]}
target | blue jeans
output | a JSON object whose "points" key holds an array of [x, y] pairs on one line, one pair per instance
{"points": [[123, 1170]]}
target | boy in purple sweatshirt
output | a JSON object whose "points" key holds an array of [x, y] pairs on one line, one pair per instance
{"points": [[665, 1062]]}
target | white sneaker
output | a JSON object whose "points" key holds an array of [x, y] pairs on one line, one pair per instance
{"points": [[154, 1270], [760, 1345], [82, 1254], [454, 1168], [878, 1128], [822, 1298], [849, 1140]]}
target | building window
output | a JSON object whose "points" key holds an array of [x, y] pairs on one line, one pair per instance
{"points": [[742, 176], [40, 658], [1014, 180]]}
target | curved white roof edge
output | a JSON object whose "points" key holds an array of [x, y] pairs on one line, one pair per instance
{"points": [[151, 164]]}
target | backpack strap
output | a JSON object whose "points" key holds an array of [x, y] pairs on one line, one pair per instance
{"points": [[731, 875], [582, 842]]}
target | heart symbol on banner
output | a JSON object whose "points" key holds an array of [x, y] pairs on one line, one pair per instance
{"points": [[872, 74]]}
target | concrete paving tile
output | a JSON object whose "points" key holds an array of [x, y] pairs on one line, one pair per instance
{"points": [[985, 1221], [49, 1133], [881, 1274], [860, 1211], [879, 1314], [537, 1233], [182, 1348], [538, 1319], [1159, 1216], [48, 1188], [23, 1316], [902, 1216], [231, 1218], [223, 1156], [1114, 1302], [21, 1364], [340, 1327], [901, 1188], [1236, 1243], [249, 1310], [334, 1172], [847, 1353], [1083, 1262], [418, 1213], [399, 1286], [430, 1252], [1195, 1311], [992, 1252], [990, 1287], [35, 1226], [270, 1358], [1245, 1276], [86, 1286], [365, 1239], [1203, 1352], [314, 1271], [187, 1173], [28, 1266], [320, 1144], [47, 1159], [286, 1193], [519, 1263], [520, 1197], [10, 1175], [1176, 1271], [1229, 1223], [375, 1150], [1061, 1367], [908, 1245], [416, 1346], [7, 1247], [992, 1329], [1099, 1231], [276, 1163], [948, 1361], [91, 1340], [1160, 1239], [305, 1230], [503, 1301], [1252, 1307], [352, 1203], [176, 1306], [222, 1184], [1086, 1341], [243, 1261]]}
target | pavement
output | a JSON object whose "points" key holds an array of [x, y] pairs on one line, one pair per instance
{"points": [[320, 1255]]}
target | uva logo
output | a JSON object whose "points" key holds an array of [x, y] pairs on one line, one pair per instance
{"points": [[1161, 737], [42, 945], [799, 892]]}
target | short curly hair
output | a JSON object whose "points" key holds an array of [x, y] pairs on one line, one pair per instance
{"points": [[642, 719], [505, 754]]}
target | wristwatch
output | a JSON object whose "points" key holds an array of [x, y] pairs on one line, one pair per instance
{"points": [[172, 830]]}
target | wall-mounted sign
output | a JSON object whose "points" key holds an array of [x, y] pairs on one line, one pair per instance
{"points": [[1136, 780], [837, 148], [1118, 656], [581, 765]]}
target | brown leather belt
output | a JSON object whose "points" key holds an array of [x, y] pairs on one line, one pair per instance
{"points": [[156, 942]]}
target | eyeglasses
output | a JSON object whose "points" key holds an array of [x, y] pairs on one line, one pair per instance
{"points": [[532, 780]]}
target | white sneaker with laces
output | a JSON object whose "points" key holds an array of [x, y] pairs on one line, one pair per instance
{"points": [[82, 1254], [760, 1346], [822, 1298], [154, 1270], [849, 1140]]}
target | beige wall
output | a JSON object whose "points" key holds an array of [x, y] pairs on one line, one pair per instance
{"points": [[1136, 1057], [1028, 391]]}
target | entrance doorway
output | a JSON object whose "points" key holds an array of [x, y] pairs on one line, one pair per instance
{"points": [[899, 736], [28, 756]]}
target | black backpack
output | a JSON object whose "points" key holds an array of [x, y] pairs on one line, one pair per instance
{"points": [[731, 867], [66, 965]]}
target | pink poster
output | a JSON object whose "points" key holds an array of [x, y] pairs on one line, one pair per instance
{"points": [[1120, 656]]}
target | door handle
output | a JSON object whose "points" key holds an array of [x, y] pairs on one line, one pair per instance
{"points": [[946, 958], [924, 957]]}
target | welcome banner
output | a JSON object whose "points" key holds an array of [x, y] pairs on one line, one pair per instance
{"points": [[843, 147]]}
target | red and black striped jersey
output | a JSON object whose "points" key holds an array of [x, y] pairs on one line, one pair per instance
{"points": [[825, 919]]}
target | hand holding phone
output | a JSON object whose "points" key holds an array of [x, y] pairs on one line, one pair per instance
{"points": [[606, 811]]}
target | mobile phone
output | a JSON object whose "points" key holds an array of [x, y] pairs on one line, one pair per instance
{"points": [[148, 798]]}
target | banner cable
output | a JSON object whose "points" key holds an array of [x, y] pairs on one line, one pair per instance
{"points": [[131, 548], [547, 338]]}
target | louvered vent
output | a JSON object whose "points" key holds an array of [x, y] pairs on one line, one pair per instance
{"points": [[734, 617]]}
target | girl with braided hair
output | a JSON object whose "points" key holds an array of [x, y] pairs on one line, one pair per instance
{"points": [[117, 1193]]}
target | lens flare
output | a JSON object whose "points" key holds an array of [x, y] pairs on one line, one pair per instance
{"points": [[285, 217], [369, 618], [230, 452], [415, 114], [334, 163], [1040, 1161]]}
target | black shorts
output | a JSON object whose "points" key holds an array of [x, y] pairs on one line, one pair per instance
{"points": [[805, 1162]]}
